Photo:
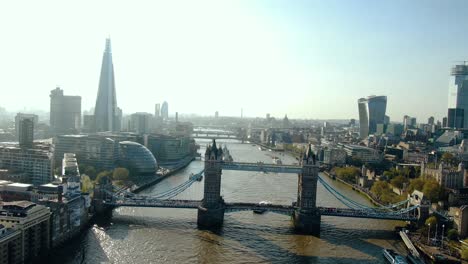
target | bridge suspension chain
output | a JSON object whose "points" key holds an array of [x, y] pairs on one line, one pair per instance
{"points": [[353, 204]]}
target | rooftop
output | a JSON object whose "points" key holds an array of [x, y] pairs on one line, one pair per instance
{"points": [[21, 204]]}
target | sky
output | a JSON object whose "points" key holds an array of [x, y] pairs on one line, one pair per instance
{"points": [[306, 59]]}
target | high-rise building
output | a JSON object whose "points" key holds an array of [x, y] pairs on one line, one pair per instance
{"points": [[37, 163], [157, 110], [141, 123], [386, 120], [371, 112], [165, 110], [26, 132], [430, 120], [458, 97], [65, 112], [21, 116], [444, 121], [216, 114], [33, 221], [106, 113]]}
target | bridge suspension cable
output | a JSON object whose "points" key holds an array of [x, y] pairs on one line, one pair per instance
{"points": [[168, 194], [353, 204]]}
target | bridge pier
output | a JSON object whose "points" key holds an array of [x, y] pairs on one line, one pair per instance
{"points": [[211, 211], [210, 217], [307, 222], [306, 217]]}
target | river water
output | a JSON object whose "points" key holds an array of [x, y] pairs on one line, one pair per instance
{"points": [[151, 235]]}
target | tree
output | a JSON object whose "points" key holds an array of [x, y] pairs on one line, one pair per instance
{"points": [[103, 175], [464, 253], [449, 158], [91, 172], [432, 220], [121, 174], [348, 174], [380, 188], [432, 190], [452, 234], [86, 184], [399, 181], [416, 184]]}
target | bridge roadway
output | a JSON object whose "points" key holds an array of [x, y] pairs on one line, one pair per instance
{"points": [[280, 209], [260, 166], [215, 137]]}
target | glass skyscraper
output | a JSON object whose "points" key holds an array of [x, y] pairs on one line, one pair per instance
{"points": [[371, 112], [165, 111], [106, 113], [458, 97]]}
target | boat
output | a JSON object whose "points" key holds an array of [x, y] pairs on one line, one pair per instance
{"points": [[261, 148], [393, 257], [259, 210]]}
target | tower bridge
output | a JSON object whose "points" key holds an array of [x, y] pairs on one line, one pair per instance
{"points": [[305, 214]]}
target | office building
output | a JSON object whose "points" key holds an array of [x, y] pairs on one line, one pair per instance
{"points": [[98, 151], [37, 163], [106, 113], [157, 110], [26, 132], [141, 123], [65, 112], [430, 120], [371, 112], [395, 129], [458, 97], [107, 151], [32, 220], [170, 150], [19, 117], [11, 245], [364, 154], [334, 156], [381, 129], [165, 111], [137, 158], [444, 122]]}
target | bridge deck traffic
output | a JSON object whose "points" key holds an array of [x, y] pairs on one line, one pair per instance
{"points": [[280, 209]]}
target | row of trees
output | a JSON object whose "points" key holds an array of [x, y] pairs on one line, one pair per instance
{"points": [[430, 187], [347, 174], [384, 192]]}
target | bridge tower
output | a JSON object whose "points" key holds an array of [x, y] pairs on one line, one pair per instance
{"points": [[307, 216], [211, 211]]}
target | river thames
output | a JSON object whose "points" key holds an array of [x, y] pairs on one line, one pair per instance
{"points": [[151, 235]]}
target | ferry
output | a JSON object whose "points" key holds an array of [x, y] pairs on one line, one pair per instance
{"points": [[261, 211], [393, 257]]}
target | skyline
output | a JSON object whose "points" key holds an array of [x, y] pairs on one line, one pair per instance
{"points": [[293, 53]]}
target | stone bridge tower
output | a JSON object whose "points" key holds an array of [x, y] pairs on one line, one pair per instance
{"points": [[307, 216], [211, 212]]}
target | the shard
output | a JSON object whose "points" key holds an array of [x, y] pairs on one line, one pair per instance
{"points": [[106, 113]]}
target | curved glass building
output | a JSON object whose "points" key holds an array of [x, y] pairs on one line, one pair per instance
{"points": [[371, 112], [137, 158]]}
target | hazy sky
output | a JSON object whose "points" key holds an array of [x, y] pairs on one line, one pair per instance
{"points": [[309, 59]]}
